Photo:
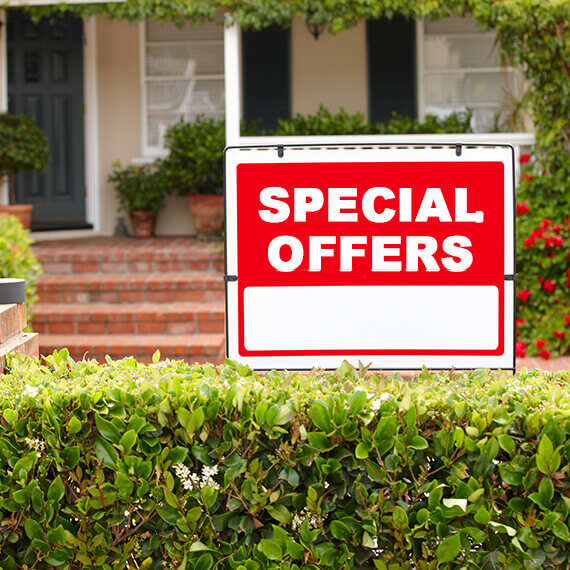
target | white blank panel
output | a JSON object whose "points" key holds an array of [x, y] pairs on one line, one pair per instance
{"points": [[361, 318]]}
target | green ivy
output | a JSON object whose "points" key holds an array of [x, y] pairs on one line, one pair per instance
{"points": [[534, 34], [170, 465]]}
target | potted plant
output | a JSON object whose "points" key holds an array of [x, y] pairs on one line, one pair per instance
{"points": [[141, 195], [194, 168], [23, 147]]}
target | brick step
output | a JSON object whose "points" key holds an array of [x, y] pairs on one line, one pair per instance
{"points": [[26, 343], [123, 255], [12, 320], [190, 347], [131, 288], [136, 318]]}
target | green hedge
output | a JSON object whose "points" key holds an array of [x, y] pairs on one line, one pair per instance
{"points": [[170, 465]]}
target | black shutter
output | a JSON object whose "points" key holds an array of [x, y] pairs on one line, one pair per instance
{"points": [[266, 76], [391, 46]]}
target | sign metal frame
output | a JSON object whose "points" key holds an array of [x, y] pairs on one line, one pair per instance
{"points": [[457, 152]]}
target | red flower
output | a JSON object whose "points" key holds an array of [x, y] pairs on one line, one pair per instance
{"points": [[540, 279], [524, 158], [544, 354], [548, 286], [537, 234], [540, 343], [567, 319], [545, 224], [519, 322], [523, 295], [557, 228], [528, 177], [559, 334], [556, 241], [521, 349], [529, 242], [522, 208]]}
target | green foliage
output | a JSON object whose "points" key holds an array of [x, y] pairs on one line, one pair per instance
{"points": [[543, 261], [23, 145], [194, 164], [324, 122], [534, 34], [195, 161], [17, 260], [138, 187], [125, 465]]}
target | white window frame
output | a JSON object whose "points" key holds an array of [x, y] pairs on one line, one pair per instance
{"points": [[146, 149]]}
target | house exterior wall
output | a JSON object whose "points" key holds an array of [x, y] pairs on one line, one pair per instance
{"points": [[330, 70], [119, 107]]}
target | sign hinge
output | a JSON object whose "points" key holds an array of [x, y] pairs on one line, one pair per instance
{"points": [[230, 278], [458, 149], [511, 277], [280, 150]]}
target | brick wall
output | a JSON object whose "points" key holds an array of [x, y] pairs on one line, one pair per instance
{"points": [[12, 337]]}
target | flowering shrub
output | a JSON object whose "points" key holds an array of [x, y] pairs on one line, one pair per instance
{"points": [[177, 466], [543, 262]]}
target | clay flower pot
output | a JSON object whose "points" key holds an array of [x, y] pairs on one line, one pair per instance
{"points": [[143, 222], [21, 211], [208, 215]]}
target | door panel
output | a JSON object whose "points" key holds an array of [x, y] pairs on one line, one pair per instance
{"points": [[45, 81]]}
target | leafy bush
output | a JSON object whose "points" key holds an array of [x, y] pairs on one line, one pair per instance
{"points": [[194, 164], [138, 187], [17, 260], [323, 122], [188, 466], [543, 256], [195, 161]]}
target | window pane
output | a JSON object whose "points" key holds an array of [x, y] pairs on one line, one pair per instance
{"points": [[168, 101], [456, 52], [443, 89], [190, 59], [168, 31]]}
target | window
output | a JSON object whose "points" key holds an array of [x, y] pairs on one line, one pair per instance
{"points": [[460, 67], [183, 77]]}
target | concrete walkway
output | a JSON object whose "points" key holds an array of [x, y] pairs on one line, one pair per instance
{"points": [[553, 364]]}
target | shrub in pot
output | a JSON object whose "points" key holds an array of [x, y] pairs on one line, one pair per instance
{"points": [[141, 194], [23, 147], [194, 168]]}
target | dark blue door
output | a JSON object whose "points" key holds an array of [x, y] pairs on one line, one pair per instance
{"points": [[45, 80]]}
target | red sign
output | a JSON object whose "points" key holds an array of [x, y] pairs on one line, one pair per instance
{"points": [[348, 226]]}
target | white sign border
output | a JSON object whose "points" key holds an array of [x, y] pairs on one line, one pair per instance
{"points": [[374, 152]]}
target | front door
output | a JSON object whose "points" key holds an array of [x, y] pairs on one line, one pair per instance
{"points": [[45, 80]]}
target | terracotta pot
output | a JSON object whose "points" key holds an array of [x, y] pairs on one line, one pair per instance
{"points": [[208, 215], [143, 223], [21, 211]]}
